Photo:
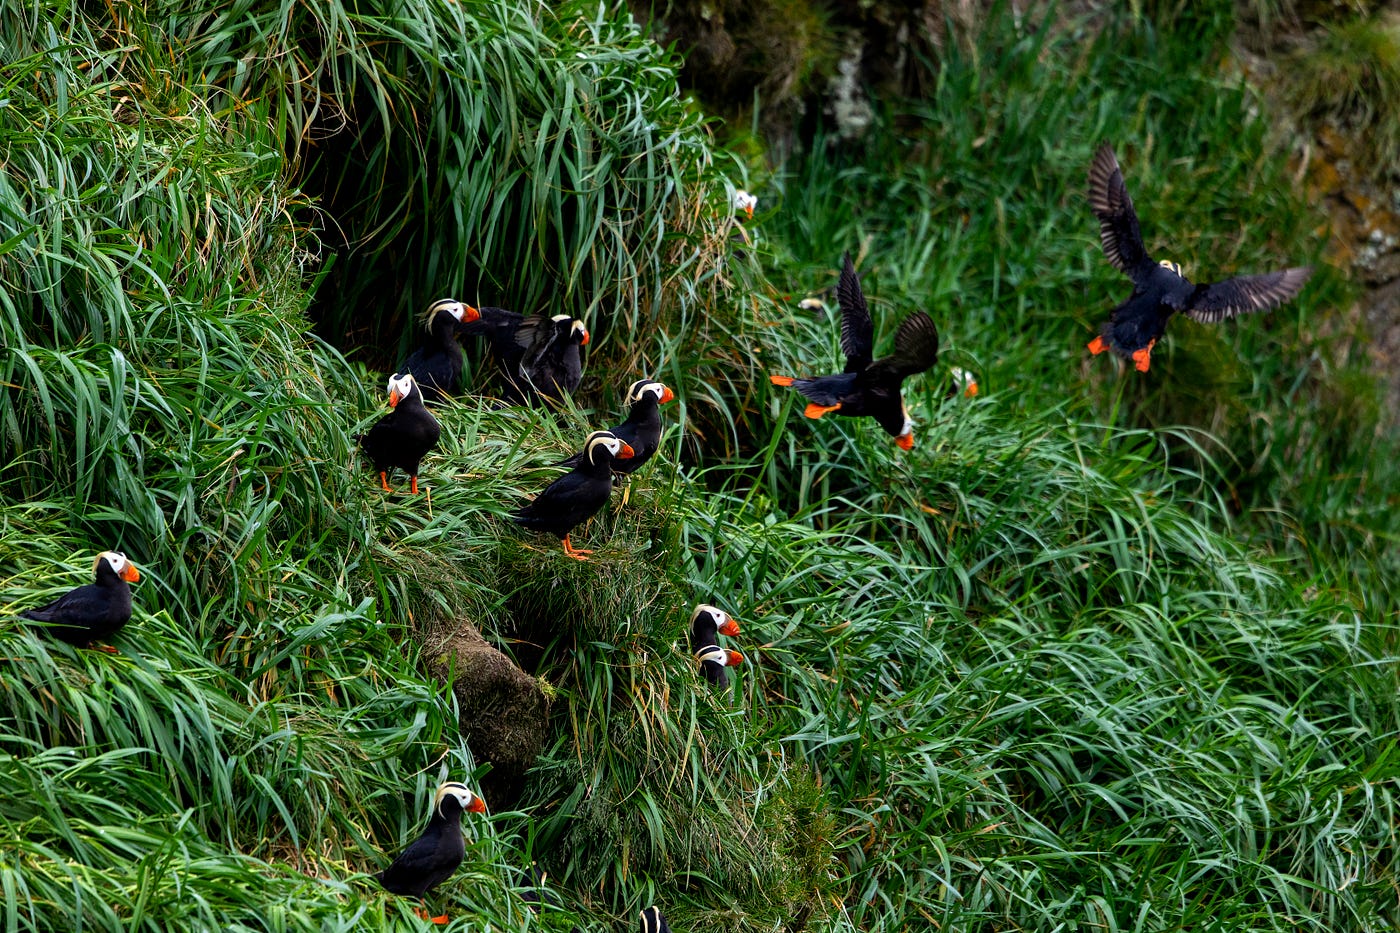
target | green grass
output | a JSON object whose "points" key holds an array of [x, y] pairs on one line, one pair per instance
{"points": [[1100, 650]]}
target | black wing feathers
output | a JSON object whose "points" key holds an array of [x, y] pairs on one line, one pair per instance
{"points": [[857, 330], [1118, 222], [1218, 300], [915, 347]]}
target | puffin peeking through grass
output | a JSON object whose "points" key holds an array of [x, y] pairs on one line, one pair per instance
{"points": [[653, 922], [870, 387], [437, 365], [1159, 289], [96, 611], [706, 625], [576, 496], [641, 431], [432, 858], [403, 436]]}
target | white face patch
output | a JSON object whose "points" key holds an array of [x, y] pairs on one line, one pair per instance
{"points": [[461, 792], [743, 201], [602, 440], [115, 559], [908, 422], [713, 653], [400, 387], [579, 331], [719, 615], [560, 317]]}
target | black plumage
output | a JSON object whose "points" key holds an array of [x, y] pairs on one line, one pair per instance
{"points": [[1159, 289], [437, 365], [431, 859], [404, 436], [653, 922], [642, 429], [706, 625], [577, 495], [497, 326], [95, 611], [552, 364], [870, 387]]}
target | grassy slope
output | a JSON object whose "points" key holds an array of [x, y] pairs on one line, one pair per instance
{"points": [[1024, 677]]}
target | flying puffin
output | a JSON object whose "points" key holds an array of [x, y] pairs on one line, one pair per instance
{"points": [[653, 922], [642, 429], [437, 365], [706, 624], [95, 611], [432, 858], [870, 387], [576, 496], [1159, 289], [404, 435]]}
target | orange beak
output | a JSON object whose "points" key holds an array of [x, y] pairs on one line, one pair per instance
{"points": [[749, 210], [905, 441], [626, 453], [667, 395], [477, 805], [471, 315], [734, 660], [584, 341], [131, 574], [730, 628], [971, 390], [393, 398]]}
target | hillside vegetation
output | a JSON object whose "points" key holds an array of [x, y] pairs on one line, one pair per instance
{"points": [[1103, 651]]}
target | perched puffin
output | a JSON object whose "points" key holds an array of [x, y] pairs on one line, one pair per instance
{"points": [[96, 611], [642, 429], [653, 922], [1159, 289], [866, 387], [404, 435], [577, 495], [437, 365], [552, 365], [434, 856], [706, 624], [743, 201]]}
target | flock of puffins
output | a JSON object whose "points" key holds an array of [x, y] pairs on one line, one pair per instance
{"points": [[539, 358]]}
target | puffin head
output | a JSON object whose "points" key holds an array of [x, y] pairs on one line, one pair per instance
{"points": [[1171, 267], [579, 333], [461, 312], [653, 922], [400, 388], [743, 201], [459, 792], [122, 567], [606, 443], [642, 387], [963, 381], [723, 623]]}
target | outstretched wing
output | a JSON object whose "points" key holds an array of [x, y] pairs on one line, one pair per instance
{"points": [[1216, 301], [1118, 222], [857, 332], [915, 347], [534, 331]]}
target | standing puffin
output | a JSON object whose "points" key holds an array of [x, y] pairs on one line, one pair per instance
{"points": [[653, 922], [95, 611], [642, 429], [1159, 289], [404, 435], [576, 496], [552, 365], [706, 624], [432, 858], [866, 387], [437, 365]]}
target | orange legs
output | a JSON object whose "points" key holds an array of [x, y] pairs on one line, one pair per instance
{"points": [[1098, 345], [413, 484], [1142, 359], [813, 410], [575, 553], [384, 481], [423, 912]]}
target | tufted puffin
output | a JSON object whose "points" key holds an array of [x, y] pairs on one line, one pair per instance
{"points": [[961, 382], [577, 495], [437, 365], [552, 365], [1159, 289], [866, 387], [96, 611], [642, 429], [653, 922], [402, 437], [432, 858], [706, 624]]}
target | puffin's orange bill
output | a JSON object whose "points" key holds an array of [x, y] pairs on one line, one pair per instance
{"points": [[780, 380], [477, 805], [905, 441], [626, 453], [393, 398], [584, 341], [733, 659], [471, 314], [813, 410], [667, 395], [131, 574], [730, 628], [971, 390]]}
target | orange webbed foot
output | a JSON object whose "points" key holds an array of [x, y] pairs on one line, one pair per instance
{"points": [[1142, 359], [1098, 345], [105, 649], [813, 410], [384, 481], [780, 380], [574, 552]]}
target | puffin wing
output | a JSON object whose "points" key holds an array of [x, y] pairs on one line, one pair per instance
{"points": [[1119, 231], [915, 348], [1217, 301], [534, 332], [857, 331], [83, 603]]}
